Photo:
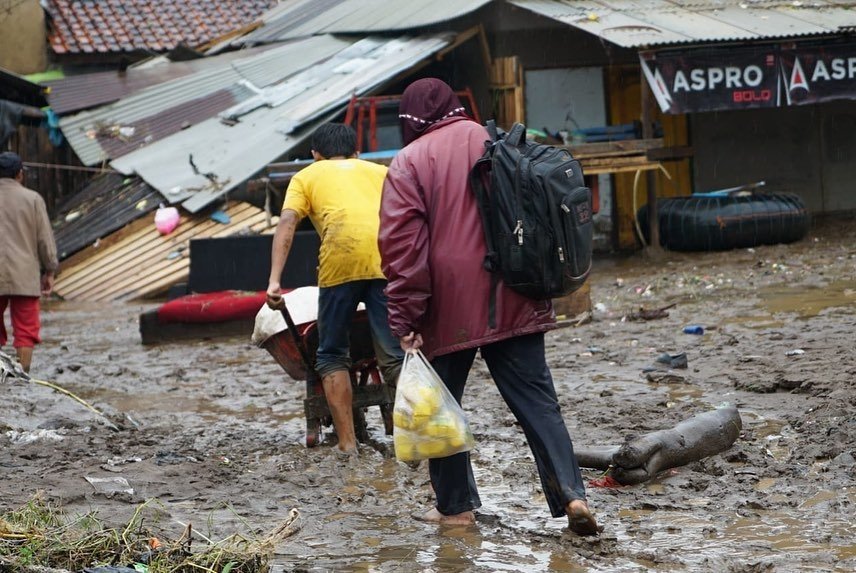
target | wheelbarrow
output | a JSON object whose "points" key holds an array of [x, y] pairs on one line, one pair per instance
{"points": [[295, 348]]}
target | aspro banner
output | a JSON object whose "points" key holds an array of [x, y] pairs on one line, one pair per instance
{"points": [[749, 78], [820, 74]]}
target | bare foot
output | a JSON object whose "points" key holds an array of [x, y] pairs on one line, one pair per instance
{"points": [[580, 519], [351, 452], [434, 516]]}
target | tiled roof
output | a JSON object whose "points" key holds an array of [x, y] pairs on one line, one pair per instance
{"points": [[116, 26]]}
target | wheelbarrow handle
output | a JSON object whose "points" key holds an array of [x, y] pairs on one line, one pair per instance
{"points": [[289, 322]]}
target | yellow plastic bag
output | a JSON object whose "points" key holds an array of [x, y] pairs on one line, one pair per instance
{"points": [[428, 422]]}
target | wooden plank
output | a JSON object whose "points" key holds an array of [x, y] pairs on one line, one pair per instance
{"points": [[86, 265], [161, 274], [151, 242], [606, 162], [137, 251], [622, 169], [153, 262], [165, 282], [143, 223], [613, 148], [670, 153]]}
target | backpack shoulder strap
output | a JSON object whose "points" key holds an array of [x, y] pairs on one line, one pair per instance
{"points": [[478, 176], [491, 130], [517, 135]]}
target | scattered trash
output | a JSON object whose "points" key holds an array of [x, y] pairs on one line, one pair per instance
{"points": [[605, 481], [673, 360], [141, 204], [72, 216], [645, 314], [166, 458], [600, 307], [28, 437], [664, 378], [120, 461], [110, 486], [795, 352], [175, 254], [110, 569], [166, 219], [694, 329], [619, 282], [221, 217]]}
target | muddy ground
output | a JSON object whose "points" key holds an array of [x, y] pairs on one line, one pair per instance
{"points": [[219, 429]]}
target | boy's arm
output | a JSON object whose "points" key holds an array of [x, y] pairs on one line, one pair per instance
{"points": [[282, 240]]}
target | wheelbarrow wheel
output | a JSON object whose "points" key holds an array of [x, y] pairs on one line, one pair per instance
{"points": [[360, 430], [313, 432], [386, 414]]}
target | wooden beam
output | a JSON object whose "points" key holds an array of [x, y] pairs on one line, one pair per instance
{"points": [[654, 247], [670, 153], [612, 148]]}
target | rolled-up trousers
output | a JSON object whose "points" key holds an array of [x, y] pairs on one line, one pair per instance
{"points": [[519, 369]]}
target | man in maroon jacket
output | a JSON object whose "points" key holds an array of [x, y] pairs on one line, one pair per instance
{"points": [[432, 248]]}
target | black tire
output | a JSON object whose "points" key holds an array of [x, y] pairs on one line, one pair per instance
{"points": [[706, 223]]}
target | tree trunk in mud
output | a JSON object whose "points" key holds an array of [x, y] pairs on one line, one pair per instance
{"points": [[640, 459]]}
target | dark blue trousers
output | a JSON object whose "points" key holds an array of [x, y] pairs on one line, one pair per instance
{"points": [[519, 369]]}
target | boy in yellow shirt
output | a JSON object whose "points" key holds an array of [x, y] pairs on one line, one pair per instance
{"points": [[341, 195]]}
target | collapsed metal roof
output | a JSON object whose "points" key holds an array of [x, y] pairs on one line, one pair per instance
{"points": [[299, 18], [107, 203], [639, 23], [154, 113], [85, 91], [261, 128]]}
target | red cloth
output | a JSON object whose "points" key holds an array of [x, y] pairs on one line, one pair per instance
{"points": [[218, 306], [24, 311], [605, 481], [432, 248]]}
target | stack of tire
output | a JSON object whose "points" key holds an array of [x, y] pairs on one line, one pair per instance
{"points": [[712, 222]]}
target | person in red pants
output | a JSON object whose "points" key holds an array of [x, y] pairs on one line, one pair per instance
{"points": [[28, 259]]}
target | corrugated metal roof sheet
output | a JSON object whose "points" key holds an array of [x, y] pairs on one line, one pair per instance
{"points": [[85, 91], [178, 104], [638, 23], [236, 152], [137, 261], [298, 18], [107, 203]]}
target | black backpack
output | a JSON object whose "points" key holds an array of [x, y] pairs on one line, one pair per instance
{"points": [[537, 215]]}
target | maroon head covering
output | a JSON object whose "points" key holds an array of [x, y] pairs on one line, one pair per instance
{"points": [[424, 103]]}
